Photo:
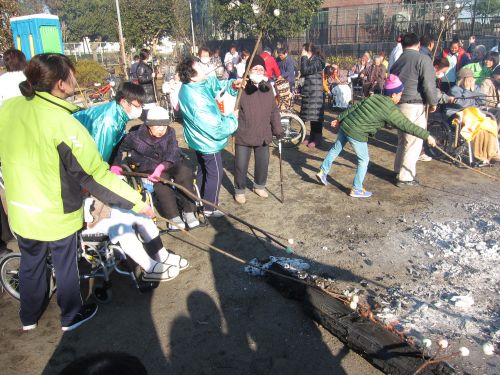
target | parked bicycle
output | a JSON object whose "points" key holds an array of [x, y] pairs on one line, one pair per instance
{"points": [[101, 93], [294, 128]]}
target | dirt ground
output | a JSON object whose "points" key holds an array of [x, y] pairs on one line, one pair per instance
{"points": [[216, 319]]}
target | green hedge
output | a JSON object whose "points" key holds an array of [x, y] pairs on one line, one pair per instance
{"points": [[89, 72], [344, 62]]}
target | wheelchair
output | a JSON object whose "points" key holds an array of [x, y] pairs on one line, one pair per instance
{"points": [[146, 189], [97, 258], [448, 137]]}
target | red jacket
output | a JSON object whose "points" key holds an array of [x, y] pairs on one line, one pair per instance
{"points": [[272, 67], [461, 54]]}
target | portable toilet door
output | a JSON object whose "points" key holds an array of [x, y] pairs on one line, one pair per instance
{"points": [[37, 33]]}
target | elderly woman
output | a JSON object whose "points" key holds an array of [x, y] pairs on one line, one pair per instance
{"points": [[374, 77], [258, 121], [15, 62], [467, 94], [312, 109]]}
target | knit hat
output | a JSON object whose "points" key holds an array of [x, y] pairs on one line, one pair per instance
{"points": [[465, 73], [157, 116], [393, 85], [257, 60]]}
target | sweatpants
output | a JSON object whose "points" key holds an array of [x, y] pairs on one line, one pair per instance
{"points": [[209, 177], [409, 146], [241, 161], [33, 278], [182, 175]]}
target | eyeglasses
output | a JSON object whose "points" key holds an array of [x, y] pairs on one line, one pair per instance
{"points": [[135, 105]]}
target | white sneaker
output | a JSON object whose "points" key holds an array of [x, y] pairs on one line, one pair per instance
{"points": [[176, 260], [30, 327], [179, 224], [261, 193], [190, 219], [161, 272], [240, 198], [424, 157], [215, 213]]}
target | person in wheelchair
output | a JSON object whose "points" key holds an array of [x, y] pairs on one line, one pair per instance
{"points": [[125, 227], [153, 149], [467, 96]]}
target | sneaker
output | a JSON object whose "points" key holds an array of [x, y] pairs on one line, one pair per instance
{"points": [[190, 219], [176, 260], [240, 198], [176, 224], [261, 193], [87, 312], [311, 144], [30, 327], [424, 157], [321, 176], [360, 193], [407, 183], [161, 272], [215, 213]]}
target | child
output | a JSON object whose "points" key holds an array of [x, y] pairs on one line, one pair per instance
{"points": [[258, 121], [363, 120], [153, 149]]}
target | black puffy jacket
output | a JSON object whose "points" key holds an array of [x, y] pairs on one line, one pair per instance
{"points": [[145, 77], [312, 108]]}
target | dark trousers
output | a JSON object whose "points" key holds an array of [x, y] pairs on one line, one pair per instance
{"points": [[317, 127], [182, 175], [33, 278], [241, 160], [209, 177], [5, 234]]}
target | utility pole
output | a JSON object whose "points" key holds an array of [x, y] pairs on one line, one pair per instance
{"points": [[192, 27], [120, 35]]}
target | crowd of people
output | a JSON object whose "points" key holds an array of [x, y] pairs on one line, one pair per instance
{"points": [[73, 150]]}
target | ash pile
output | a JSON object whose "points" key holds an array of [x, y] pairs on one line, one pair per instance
{"points": [[453, 294]]}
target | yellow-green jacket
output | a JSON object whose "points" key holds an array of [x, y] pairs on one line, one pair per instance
{"points": [[47, 157]]}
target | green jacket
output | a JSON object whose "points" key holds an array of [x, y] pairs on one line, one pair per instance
{"points": [[47, 158], [479, 71], [368, 116]]}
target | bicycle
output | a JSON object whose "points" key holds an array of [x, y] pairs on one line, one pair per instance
{"points": [[101, 93], [294, 129]]}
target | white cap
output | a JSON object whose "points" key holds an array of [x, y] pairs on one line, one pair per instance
{"points": [[157, 116]]}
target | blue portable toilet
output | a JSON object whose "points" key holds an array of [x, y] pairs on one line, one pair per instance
{"points": [[37, 33]]}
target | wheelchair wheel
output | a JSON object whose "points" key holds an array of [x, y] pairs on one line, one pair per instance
{"points": [[442, 133], [102, 293], [9, 274], [294, 130]]}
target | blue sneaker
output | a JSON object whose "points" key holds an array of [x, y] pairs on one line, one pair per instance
{"points": [[360, 193], [321, 176]]}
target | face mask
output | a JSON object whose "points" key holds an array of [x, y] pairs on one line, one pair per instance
{"points": [[440, 75], [257, 78], [134, 113], [205, 60]]}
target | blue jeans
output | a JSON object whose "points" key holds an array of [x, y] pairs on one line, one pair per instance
{"points": [[361, 151]]}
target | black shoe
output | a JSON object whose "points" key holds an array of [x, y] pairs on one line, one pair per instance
{"points": [[407, 183], [87, 312]]}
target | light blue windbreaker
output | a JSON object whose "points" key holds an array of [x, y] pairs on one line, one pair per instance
{"points": [[206, 130], [106, 124]]}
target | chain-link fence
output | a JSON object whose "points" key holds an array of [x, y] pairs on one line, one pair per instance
{"points": [[352, 30]]}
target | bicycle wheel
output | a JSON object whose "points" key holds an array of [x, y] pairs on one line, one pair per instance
{"points": [[9, 274], [294, 130], [442, 133]]}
